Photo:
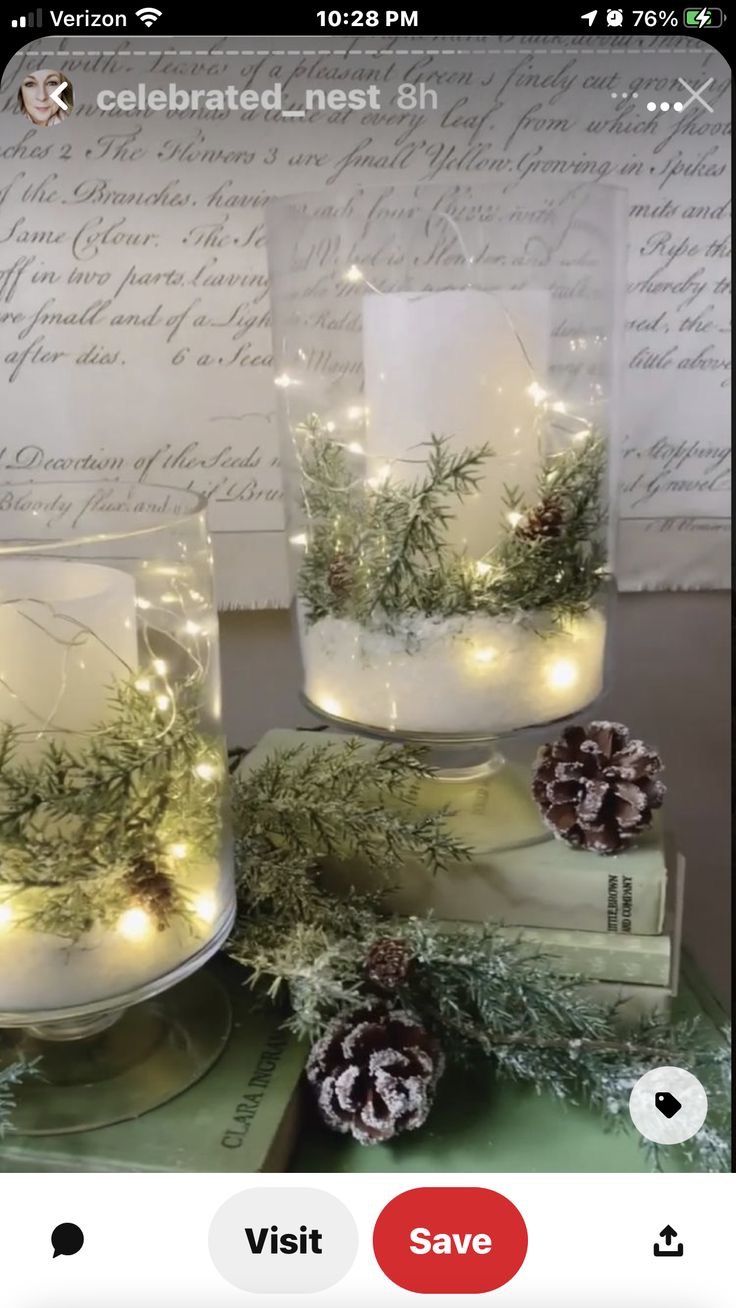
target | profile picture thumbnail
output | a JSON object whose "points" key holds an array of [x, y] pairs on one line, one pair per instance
{"points": [[36, 97]]}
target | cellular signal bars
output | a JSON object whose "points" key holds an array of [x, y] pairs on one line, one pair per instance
{"points": [[31, 20]]}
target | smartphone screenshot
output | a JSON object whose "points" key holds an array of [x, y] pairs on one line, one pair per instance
{"points": [[365, 654]]}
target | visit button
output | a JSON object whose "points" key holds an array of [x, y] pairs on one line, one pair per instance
{"points": [[450, 1240]]}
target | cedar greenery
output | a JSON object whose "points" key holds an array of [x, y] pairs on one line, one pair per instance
{"points": [[81, 825], [478, 993], [379, 549]]}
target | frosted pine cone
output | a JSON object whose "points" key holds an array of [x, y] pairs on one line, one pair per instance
{"points": [[374, 1073], [596, 788], [387, 964]]}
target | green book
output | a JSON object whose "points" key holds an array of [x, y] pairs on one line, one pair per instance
{"points": [[481, 1124], [243, 1116], [546, 885], [596, 955]]}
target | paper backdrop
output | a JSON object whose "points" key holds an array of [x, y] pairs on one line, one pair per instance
{"points": [[134, 313]]}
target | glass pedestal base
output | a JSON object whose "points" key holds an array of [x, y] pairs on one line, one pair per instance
{"points": [[488, 794], [490, 802], [126, 1066]]}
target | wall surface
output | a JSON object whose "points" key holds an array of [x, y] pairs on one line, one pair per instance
{"points": [[137, 341], [671, 684]]}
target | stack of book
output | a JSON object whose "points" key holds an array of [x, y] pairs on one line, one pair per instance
{"points": [[614, 920]]}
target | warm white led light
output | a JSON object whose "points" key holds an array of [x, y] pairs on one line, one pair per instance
{"points": [[205, 771], [205, 908], [561, 674], [484, 655], [299, 539], [285, 381], [355, 412], [143, 684], [482, 568], [170, 570], [353, 274], [135, 924], [142, 603], [163, 702], [6, 915], [159, 667], [192, 628], [177, 850], [514, 518], [559, 406], [355, 447], [382, 475], [330, 705], [537, 392]]}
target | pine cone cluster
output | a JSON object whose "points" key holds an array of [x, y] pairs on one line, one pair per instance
{"points": [[153, 890], [596, 788], [339, 576], [387, 964], [542, 522], [374, 1073]]}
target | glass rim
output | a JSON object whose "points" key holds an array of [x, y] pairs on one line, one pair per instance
{"points": [[31, 545], [276, 203]]}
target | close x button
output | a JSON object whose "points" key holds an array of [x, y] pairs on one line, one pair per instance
{"points": [[450, 1240]]}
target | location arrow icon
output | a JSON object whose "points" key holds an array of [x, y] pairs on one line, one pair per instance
{"points": [[590, 17], [55, 95]]}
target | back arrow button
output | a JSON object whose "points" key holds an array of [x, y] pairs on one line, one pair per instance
{"points": [[55, 95]]}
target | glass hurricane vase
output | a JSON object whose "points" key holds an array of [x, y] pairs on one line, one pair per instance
{"points": [[446, 362], [116, 879]]}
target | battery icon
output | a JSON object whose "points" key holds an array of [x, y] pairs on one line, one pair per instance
{"points": [[703, 17]]}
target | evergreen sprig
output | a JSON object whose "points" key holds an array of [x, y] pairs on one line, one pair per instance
{"points": [[379, 549], [77, 823], [562, 572], [300, 806], [415, 522], [480, 993]]}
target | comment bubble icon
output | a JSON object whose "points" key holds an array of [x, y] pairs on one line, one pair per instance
{"points": [[67, 1239]]}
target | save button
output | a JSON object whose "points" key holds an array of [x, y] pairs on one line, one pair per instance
{"points": [[450, 1240]]}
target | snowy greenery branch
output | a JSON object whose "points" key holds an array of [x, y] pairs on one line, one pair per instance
{"points": [[379, 548], [479, 993], [301, 806], [10, 1077]]}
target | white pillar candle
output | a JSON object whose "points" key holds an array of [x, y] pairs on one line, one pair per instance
{"points": [[463, 364], [67, 635]]}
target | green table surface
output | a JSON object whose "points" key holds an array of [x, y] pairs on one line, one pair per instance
{"points": [[479, 1124]]}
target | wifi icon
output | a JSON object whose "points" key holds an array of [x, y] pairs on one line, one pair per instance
{"points": [[148, 16]]}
